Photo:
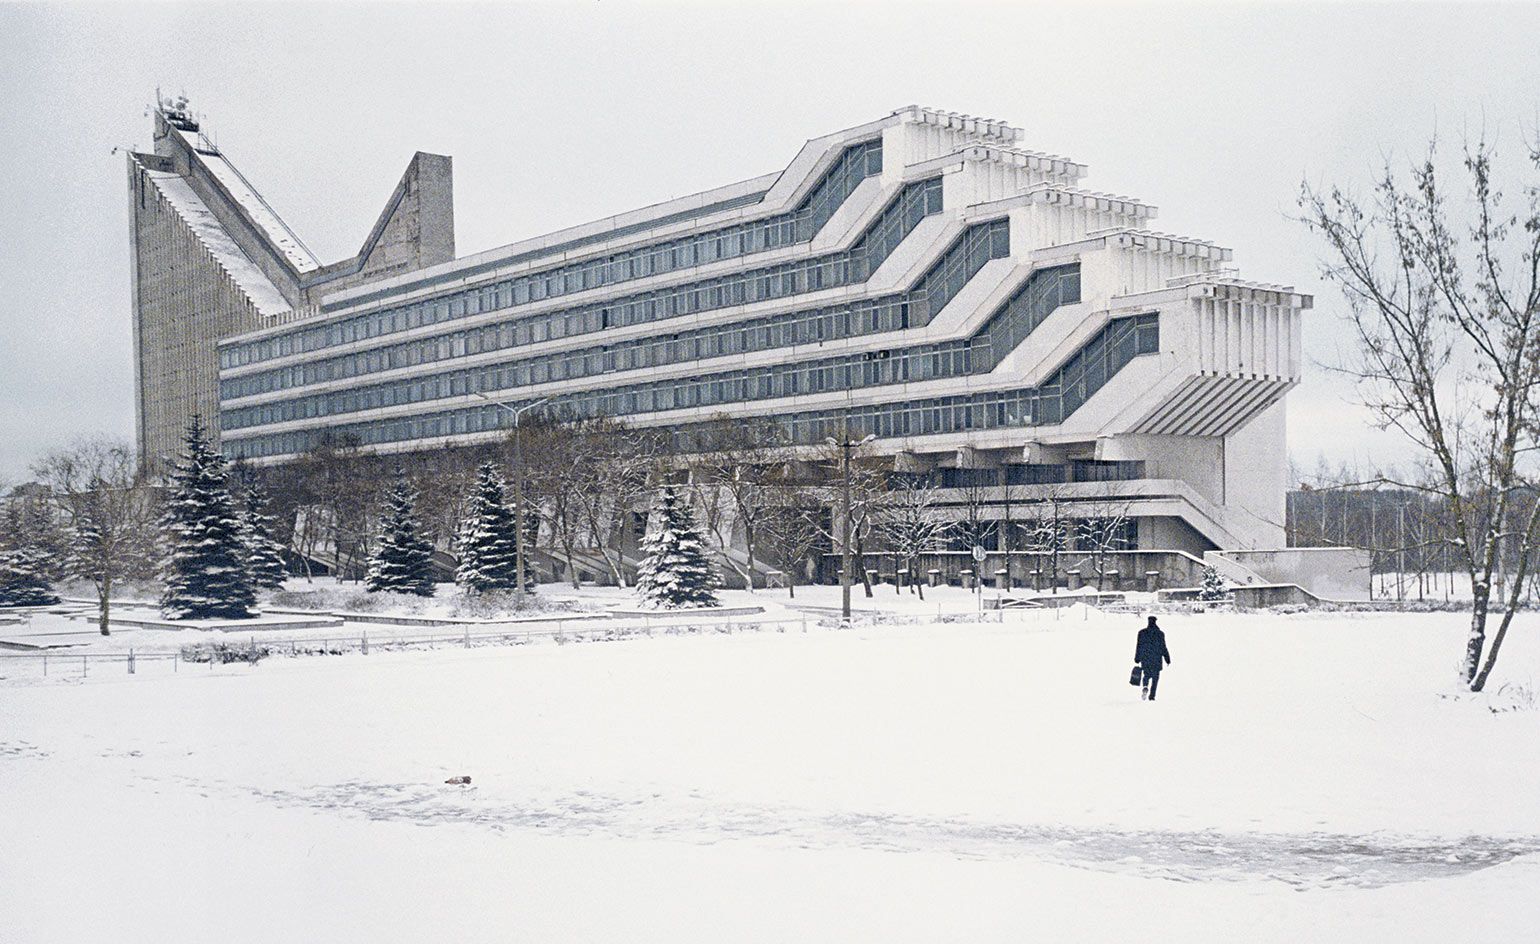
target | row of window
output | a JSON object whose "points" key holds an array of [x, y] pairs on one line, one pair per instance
{"points": [[854, 165], [1060, 395], [1074, 534], [966, 256], [1076, 470], [1086, 372], [900, 217]]}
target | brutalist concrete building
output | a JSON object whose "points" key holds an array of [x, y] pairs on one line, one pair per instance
{"points": [[924, 278]]}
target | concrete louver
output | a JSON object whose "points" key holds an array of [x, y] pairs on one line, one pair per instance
{"points": [[1213, 405]]}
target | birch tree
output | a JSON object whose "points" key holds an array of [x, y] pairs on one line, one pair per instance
{"points": [[1444, 298]]}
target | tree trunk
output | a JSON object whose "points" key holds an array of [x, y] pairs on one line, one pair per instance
{"points": [[616, 566], [104, 600], [866, 581], [1480, 681], [1511, 604], [570, 546], [1476, 641]]}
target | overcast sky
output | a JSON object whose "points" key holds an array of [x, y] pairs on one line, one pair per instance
{"points": [[558, 114]]}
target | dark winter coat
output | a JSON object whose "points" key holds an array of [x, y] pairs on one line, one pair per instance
{"points": [[1150, 651]]}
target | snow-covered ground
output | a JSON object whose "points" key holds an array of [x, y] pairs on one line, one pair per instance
{"points": [[1304, 777], [70, 629]]}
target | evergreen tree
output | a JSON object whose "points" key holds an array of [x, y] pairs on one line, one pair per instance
{"points": [[30, 524], [86, 558], [402, 559], [264, 556], [1213, 588], [204, 568], [675, 571], [488, 546], [24, 580]]}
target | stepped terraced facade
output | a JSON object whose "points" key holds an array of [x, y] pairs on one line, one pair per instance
{"points": [[922, 278]]}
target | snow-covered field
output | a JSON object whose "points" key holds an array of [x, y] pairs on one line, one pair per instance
{"points": [[1306, 777], [70, 629]]}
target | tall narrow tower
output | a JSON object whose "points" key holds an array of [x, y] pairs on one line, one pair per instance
{"points": [[211, 259]]}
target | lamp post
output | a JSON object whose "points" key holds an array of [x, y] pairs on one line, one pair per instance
{"points": [[848, 561], [518, 485]]}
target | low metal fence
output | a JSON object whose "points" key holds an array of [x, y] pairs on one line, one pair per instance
{"points": [[62, 663]]}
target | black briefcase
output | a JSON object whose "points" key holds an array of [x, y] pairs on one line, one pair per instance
{"points": [[1136, 677]]}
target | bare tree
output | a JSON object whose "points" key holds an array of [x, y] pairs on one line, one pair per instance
{"points": [[868, 489], [794, 531], [913, 524], [334, 493], [1049, 527], [110, 513], [714, 513], [1446, 314], [1102, 529], [735, 479], [613, 470], [554, 462], [1012, 495], [976, 526], [444, 482]]}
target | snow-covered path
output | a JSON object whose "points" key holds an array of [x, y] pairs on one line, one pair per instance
{"points": [[1310, 860], [1299, 775]]}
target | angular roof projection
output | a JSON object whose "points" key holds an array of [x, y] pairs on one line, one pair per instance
{"points": [[257, 210], [246, 274], [187, 193]]}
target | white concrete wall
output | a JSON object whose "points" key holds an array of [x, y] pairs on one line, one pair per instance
{"points": [[1256, 476], [1171, 534], [1331, 573]]}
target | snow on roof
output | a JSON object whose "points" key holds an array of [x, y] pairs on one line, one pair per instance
{"points": [[258, 209], [251, 280]]}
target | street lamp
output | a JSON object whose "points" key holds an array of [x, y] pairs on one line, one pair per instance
{"points": [[845, 444], [518, 484]]}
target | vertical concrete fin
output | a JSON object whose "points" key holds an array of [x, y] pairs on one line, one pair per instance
{"points": [[417, 227]]}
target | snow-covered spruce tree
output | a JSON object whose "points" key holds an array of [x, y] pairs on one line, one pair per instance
{"points": [[402, 559], [205, 564], [675, 571], [24, 580], [488, 546], [1213, 589], [31, 524], [264, 556]]}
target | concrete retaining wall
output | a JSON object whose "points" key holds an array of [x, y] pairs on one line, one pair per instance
{"points": [[1266, 595], [1331, 573]]}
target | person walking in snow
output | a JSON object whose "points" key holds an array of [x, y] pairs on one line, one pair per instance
{"points": [[1152, 655]]}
